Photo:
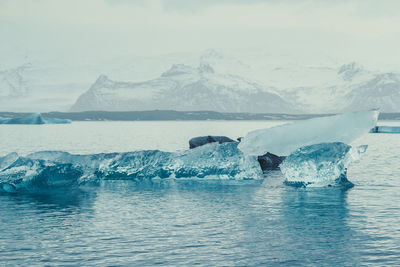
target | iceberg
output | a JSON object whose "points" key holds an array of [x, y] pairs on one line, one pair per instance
{"points": [[28, 119], [56, 121], [322, 164], [385, 129], [284, 139], [57, 169], [35, 118]]}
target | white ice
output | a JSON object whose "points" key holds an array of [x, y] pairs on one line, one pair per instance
{"points": [[284, 139]]}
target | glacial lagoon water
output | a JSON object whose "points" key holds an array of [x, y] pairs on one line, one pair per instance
{"points": [[191, 222]]}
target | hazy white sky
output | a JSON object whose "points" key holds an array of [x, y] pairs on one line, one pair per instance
{"points": [[72, 29]]}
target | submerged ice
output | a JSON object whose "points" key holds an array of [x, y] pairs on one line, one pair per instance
{"points": [[322, 164], [284, 139], [55, 169]]}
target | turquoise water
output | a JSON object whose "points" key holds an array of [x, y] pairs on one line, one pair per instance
{"points": [[185, 223]]}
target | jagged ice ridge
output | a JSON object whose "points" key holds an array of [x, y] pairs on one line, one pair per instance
{"points": [[56, 169]]}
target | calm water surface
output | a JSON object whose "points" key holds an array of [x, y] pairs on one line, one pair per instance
{"points": [[185, 223]]}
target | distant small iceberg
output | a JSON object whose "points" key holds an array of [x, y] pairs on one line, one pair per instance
{"points": [[56, 121], [35, 118], [385, 129]]}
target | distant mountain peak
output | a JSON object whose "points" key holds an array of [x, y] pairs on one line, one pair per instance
{"points": [[222, 62], [212, 53], [102, 78], [102, 81], [350, 70], [183, 87], [205, 68], [178, 69]]}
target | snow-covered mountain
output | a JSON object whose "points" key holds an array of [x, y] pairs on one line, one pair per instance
{"points": [[249, 80], [183, 88], [38, 83], [350, 88], [381, 91]]}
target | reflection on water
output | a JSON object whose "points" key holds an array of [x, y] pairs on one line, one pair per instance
{"points": [[315, 224], [296, 226], [56, 199], [182, 223]]}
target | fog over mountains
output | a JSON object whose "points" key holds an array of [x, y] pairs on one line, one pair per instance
{"points": [[237, 55], [256, 82]]}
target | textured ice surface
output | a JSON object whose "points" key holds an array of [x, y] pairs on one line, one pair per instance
{"points": [[284, 139], [55, 169], [35, 118], [322, 164]]}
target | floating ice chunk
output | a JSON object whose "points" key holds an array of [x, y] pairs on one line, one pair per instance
{"points": [[35, 118], [56, 121], [57, 169], [284, 139], [385, 129], [322, 164], [222, 161]]}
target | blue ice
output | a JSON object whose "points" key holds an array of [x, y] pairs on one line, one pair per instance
{"points": [[55, 169], [321, 165]]}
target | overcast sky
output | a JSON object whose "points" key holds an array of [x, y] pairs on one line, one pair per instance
{"points": [[106, 28]]}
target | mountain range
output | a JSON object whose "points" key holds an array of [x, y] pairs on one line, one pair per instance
{"points": [[249, 82], [183, 88], [352, 88]]}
